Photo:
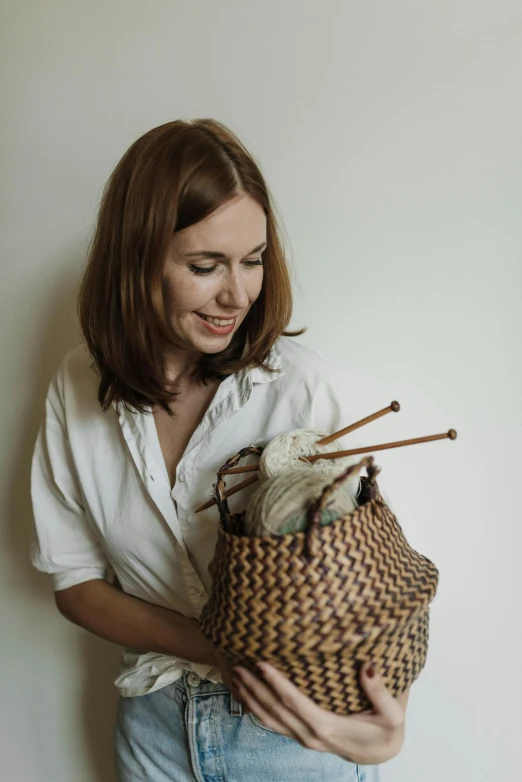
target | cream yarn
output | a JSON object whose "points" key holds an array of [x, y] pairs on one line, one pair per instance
{"points": [[280, 505], [285, 449], [288, 486]]}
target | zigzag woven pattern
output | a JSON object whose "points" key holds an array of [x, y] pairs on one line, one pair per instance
{"points": [[363, 594]]}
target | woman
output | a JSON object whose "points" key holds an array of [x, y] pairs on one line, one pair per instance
{"points": [[183, 306]]}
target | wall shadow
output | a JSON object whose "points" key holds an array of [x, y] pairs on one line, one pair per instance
{"points": [[57, 333]]}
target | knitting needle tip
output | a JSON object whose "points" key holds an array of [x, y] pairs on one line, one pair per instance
{"points": [[394, 407]]}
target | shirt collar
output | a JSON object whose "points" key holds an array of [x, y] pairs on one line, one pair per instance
{"points": [[247, 378], [260, 375]]}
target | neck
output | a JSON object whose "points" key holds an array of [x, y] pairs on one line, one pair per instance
{"points": [[179, 366]]}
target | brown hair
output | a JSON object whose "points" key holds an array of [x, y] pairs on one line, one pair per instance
{"points": [[170, 178]]}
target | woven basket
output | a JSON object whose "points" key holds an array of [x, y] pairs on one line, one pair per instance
{"points": [[318, 604]]}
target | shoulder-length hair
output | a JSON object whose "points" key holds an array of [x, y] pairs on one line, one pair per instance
{"points": [[170, 178]]}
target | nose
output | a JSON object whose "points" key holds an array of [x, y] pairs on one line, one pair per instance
{"points": [[233, 293]]}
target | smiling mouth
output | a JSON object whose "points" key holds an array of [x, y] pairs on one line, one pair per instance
{"points": [[222, 322]]}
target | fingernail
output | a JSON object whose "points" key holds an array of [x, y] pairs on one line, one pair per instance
{"points": [[370, 671]]}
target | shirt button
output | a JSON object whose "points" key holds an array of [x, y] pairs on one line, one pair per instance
{"points": [[193, 679], [198, 592], [182, 476]]}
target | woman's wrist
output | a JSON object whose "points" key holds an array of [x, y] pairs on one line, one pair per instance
{"points": [[208, 651], [184, 639]]}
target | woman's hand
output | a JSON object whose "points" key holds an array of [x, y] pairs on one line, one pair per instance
{"points": [[368, 738]]}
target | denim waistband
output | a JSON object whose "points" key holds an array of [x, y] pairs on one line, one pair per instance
{"points": [[192, 686]]}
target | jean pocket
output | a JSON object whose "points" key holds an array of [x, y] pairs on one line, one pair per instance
{"points": [[257, 722]]}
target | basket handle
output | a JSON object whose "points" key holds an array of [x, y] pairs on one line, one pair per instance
{"points": [[220, 486], [319, 505]]}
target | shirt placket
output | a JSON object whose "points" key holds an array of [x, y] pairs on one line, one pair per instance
{"points": [[140, 434], [134, 429], [173, 504], [180, 496]]}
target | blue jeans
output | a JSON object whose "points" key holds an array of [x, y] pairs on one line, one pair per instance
{"points": [[194, 731]]}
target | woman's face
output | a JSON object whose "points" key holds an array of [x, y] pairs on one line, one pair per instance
{"points": [[213, 275]]}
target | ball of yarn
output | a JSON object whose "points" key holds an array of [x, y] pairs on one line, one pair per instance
{"points": [[280, 505], [286, 449]]}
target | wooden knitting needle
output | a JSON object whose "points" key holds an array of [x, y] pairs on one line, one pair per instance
{"points": [[230, 492], [394, 407], [451, 434]]}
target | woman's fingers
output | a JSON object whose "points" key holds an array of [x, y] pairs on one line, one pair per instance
{"points": [[368, 737], [383, 702], [273, 701], [290, 696], [253, 706]]}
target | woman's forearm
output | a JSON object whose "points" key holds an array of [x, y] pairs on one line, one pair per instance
{"points": [[111, 614]]}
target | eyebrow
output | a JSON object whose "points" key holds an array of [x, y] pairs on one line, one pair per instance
{"points": [[213, 254]]}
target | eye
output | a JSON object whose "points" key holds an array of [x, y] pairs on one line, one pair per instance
{"points": [[202, 270], [251, 264]]}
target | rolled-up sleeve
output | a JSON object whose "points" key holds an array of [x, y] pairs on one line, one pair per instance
{"points": [[64, 542]]}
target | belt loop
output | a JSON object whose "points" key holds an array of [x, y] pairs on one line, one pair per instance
{"points": [[236, 708]]}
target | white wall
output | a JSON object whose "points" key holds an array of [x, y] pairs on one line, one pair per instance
{"points": [[390, 133]]}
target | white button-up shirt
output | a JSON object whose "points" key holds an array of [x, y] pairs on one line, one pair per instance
{"points": [[102, 497]]}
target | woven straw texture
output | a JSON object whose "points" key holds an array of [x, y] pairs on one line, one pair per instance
{"points": [[318, 604]]}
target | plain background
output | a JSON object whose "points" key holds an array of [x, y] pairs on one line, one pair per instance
{"points": [[390, 133]]}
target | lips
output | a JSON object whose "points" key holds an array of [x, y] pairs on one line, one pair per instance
{"points": [[217, 321], [217, 326]]}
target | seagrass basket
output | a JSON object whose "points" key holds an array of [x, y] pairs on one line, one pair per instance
{"points": [[320, 603]]}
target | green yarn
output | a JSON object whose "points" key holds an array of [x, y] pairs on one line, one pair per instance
{"points": [[301, 523]]}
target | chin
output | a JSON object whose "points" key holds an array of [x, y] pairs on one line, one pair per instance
{"points": [[213, 344]]}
